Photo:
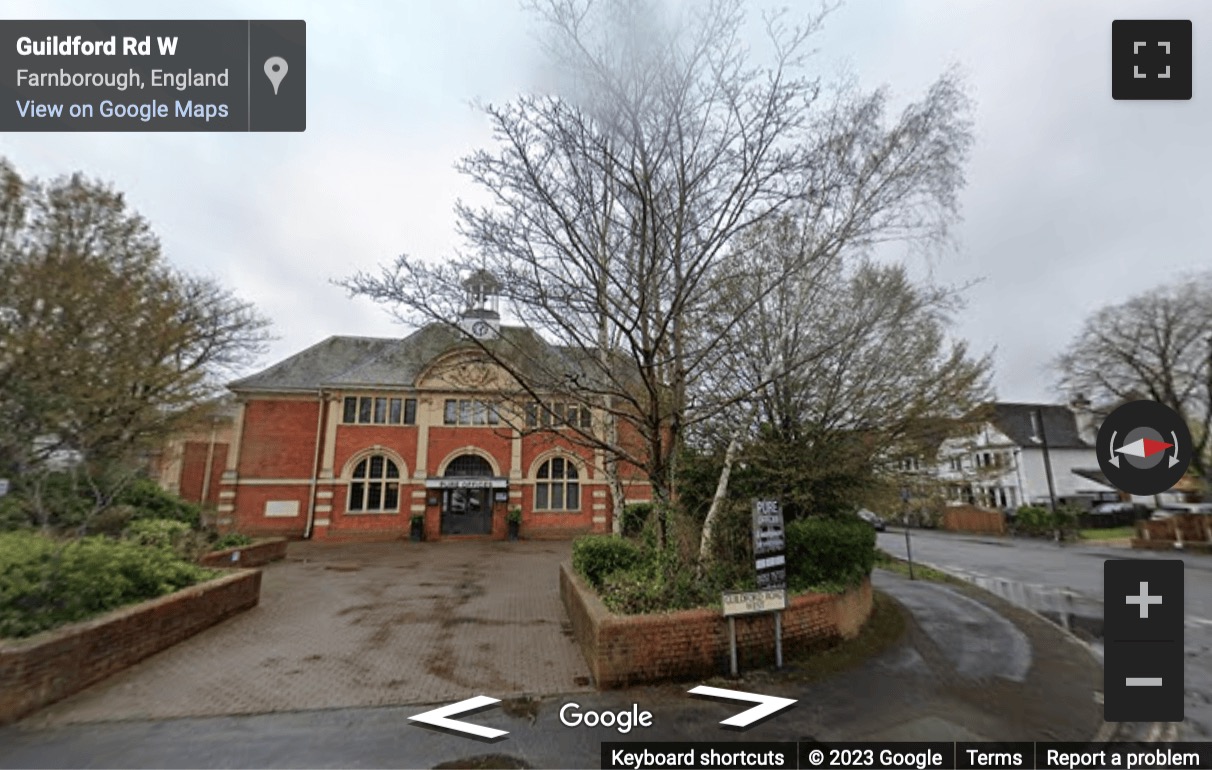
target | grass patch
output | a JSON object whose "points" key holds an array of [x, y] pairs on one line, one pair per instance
{"points": [[1108, 533], [886, 561], [884, 627]]}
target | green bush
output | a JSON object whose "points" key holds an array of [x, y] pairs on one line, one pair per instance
{"points": [[661, 582], [594, 557], [69, 504], [231, 540], [1038, 521], [45, 583], [635, 516], [152, 502], [157, 533], [828, 552], [63, 503]]}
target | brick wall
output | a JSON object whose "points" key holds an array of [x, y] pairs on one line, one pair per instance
{"points": [[251, 500], [42, 669], [279, 439], [625, 650], [193, 469], [255, 555]]}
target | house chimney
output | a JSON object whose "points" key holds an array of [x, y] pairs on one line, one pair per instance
{"points": [[1083, 416]]}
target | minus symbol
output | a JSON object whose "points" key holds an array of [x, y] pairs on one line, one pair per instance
{"points": [[1143, 681]]}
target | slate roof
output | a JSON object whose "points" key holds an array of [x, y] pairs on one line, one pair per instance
{"points": [[1060, 425], [376, 362]]}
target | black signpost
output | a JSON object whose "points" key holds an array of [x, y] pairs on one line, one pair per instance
{"points": [[770, 559], [769, 544]]}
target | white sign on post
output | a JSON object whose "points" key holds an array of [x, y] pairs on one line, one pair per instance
{"points": [[749, 602]]}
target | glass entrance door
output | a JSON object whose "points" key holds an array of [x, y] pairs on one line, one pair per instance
{"points": [[467, 511]]}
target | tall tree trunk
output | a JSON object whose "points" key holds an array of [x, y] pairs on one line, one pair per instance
{"points": [[717, 501]]}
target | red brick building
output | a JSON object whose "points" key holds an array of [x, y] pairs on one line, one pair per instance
{"points": [[354, 436], [191, 463]]}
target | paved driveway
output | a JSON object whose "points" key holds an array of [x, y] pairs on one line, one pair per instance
{"points": [[343, 625]]}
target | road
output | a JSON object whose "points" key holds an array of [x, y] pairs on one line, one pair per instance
{"points": [[1079, 568]]}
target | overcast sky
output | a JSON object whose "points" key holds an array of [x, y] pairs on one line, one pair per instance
{"points": [[1073, 200]]}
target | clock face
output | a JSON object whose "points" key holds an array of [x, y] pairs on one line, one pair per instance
{"points": [[481, 329]]}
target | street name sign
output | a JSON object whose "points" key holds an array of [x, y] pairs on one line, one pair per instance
{"points": [[749, 602]]}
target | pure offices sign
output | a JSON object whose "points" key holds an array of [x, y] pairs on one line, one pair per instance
{"points": [[769, 544]]}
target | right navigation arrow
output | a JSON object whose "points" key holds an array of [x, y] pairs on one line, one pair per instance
{"points": [[767, 704]]}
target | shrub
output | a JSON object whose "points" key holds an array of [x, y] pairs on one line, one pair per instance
{"points": [[231, 540], [112, 521], [595, 557], [152, 502], [1036, 520], [828, 552], [635, 516], [662, 582], [157, 533], [13, 515], [45, 583]]}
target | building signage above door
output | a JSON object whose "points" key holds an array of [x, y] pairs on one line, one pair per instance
{"points": [[466, 482]]}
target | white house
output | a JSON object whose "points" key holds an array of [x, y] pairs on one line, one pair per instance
{"points": [[1006, 462]]}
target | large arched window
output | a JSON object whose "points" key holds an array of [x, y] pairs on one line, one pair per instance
{"points": [[375, 485], [557, 486], [468, 465]]}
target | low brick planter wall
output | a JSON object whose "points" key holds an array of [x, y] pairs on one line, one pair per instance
{"points": [[44, 668], [623, 650], [258, 554]]}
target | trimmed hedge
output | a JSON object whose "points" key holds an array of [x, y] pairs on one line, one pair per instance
{"points": [[829, 552], [46, 583]]}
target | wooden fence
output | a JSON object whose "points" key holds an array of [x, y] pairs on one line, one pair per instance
{"points": [[967, 518]]}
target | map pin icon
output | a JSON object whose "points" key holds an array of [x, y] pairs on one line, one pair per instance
{"points": [[275, 70]]}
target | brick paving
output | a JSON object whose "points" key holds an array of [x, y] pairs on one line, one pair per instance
{"points": [[368, 624]]}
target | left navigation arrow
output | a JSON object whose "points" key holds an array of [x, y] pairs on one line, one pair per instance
{"points": [[440, 717]]}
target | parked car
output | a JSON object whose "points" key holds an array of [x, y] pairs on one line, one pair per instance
{"points": [[872, 518], [1116, 514]]}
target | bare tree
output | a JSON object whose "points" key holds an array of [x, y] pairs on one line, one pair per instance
{"points": [[842, 348], [1156, 345], [615, 205]]}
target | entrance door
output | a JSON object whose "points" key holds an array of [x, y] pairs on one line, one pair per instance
{"points": [[467, 511], [467, 508]]}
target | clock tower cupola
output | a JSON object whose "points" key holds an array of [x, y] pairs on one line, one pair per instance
{"points": [[482, 317]]}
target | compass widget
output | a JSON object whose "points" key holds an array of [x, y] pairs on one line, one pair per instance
{"points": [[1144, 448]]}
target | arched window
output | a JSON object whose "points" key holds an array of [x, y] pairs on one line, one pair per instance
{"points": [[375, 485], [557, 487], [468, 465]]}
